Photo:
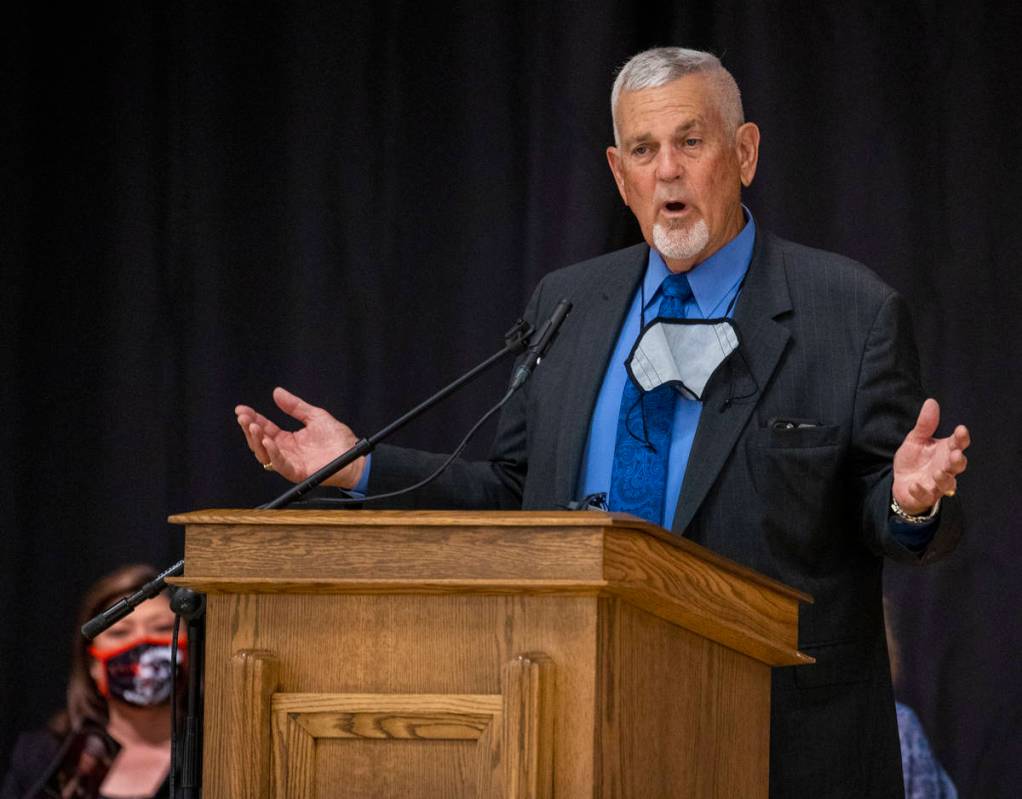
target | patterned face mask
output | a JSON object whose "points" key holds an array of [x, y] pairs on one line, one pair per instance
{"points": [[139, 671], [683, 353]]}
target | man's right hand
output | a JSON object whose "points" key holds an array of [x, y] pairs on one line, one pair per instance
{"points": [[297, 455]]}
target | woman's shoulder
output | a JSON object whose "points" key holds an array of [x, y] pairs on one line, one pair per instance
{"points": [[33, 752], [37, 745]]}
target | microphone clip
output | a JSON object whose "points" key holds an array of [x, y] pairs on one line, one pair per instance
{"points": [[517, 338]]}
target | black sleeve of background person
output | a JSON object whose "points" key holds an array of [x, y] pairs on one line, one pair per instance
{"points": [[33, 753]]}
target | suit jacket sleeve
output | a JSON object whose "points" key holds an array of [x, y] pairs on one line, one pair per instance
{"points": [[888, 397]]}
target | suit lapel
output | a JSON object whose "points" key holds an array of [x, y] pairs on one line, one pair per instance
{"points": [[601, 309], [733, 393]]}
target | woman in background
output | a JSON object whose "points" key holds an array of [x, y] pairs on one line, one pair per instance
{"points": [[113, 739]]}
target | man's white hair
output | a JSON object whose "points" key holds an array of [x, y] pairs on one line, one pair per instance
{"points": [[661, 65]]}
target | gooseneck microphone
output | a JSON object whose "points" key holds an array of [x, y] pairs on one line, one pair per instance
{"points": [[539, 344], [514, 342], [126, 605]]}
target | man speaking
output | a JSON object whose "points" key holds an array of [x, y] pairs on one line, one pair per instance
{"points": [[755, 396]]}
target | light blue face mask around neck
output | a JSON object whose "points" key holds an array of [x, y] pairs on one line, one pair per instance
{"points": [[683, 353]]}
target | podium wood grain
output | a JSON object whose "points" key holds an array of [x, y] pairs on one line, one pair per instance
{"points": [[254, 676], [387, 654]]}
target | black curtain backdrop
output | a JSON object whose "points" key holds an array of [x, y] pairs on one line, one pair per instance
{"points": [[203, 200]]}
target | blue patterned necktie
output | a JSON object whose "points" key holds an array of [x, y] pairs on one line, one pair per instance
{"points": [[638, 480]]}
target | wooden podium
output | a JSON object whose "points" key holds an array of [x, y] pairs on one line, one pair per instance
{"points": [[488, 654]]}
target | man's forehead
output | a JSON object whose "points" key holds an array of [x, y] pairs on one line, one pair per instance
{"points": [[694, 122], [682, 103]]}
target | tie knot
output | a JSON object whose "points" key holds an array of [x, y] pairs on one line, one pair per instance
{"points": [[676, 287]]}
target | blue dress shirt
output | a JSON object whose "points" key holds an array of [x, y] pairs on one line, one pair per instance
{"points": [[715, 283]]}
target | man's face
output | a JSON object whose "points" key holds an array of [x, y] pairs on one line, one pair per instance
{"points": [[679, 171]]}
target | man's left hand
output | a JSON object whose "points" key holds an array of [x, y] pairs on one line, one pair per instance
{"points": [[926, 468]]}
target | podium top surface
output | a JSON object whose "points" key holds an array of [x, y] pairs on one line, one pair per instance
{"points": [[534, 520], [553, 553], [425, 518]]}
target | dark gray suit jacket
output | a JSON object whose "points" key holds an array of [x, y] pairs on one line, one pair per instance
{"points": [[823, 341]]}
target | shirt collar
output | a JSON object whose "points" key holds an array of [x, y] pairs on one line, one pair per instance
{"points": [[713, 281]]}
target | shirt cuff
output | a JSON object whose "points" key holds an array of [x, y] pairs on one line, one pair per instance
{"points": [[361, 488], [913, 536]]}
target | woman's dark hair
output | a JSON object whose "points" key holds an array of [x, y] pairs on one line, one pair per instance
{"points": [[84, 702]]}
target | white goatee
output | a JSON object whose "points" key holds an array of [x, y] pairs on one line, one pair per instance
{"points": [[681, 243]]}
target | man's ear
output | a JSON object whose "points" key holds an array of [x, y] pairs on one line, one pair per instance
{"points": [[614, 159], [747, 150]]}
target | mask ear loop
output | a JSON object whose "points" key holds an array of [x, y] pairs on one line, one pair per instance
{"points": [[644, 438], [640, 401], [731, 397]]}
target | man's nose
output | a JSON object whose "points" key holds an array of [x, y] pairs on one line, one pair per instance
{"points": [[668, 164]]}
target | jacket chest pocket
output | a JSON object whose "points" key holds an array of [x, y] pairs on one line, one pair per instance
{"points": [[796, 474], [784, 434]]}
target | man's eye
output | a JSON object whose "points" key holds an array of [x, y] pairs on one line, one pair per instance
{"points": [[693, 142], [640, 151]]}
